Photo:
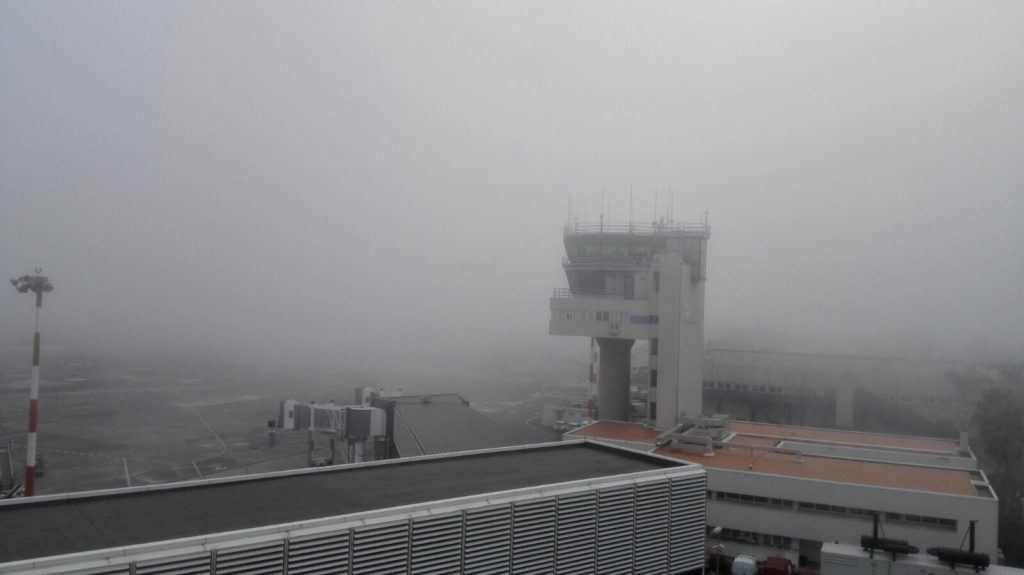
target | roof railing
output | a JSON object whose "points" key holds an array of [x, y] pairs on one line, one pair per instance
{"points": [[636, 228]]}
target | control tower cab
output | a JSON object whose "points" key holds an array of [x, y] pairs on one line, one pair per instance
{"points": [[638, 281]]}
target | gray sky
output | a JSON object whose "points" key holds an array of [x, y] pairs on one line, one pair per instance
{"points": [[388, 180]]}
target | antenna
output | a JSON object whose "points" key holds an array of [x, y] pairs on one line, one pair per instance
{"points": [[630, 208]]}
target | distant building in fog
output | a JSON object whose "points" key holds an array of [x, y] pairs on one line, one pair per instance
{"points": [[831, 390]]}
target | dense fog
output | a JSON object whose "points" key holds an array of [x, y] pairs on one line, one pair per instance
{"points": [[386, 183]]}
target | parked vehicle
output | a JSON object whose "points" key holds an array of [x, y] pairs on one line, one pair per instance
{"points": [[777, 566], [744, 565]]}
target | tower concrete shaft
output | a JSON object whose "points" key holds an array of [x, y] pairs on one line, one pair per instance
{"points": [[613, 379]]}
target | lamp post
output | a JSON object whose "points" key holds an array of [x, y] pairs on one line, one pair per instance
{"points": [[718, 548], [36, 284]]}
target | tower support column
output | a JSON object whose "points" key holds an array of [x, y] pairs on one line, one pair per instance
{"points": [[613, 379]]}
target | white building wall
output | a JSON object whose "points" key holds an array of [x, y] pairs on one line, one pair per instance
{"points": [[622, 328], [691, 347], [823, 526], [669, 306], [680, 332]]}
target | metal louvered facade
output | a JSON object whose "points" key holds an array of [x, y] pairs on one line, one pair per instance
{"points": [[326, 554], [689, 514], [576, 533], [488, 547], [647, 523], [196, 564]]}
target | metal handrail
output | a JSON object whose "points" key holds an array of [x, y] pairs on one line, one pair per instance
{"points": [[653, 228], [566, 293]]}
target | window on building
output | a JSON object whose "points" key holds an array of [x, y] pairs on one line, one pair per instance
{"points": [[654, 378], [778, 541], [739, 535], [654, 410], [654, 346]]}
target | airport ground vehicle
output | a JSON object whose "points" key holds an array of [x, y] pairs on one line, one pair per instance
{"points": [[744, 565], [777, 566]]}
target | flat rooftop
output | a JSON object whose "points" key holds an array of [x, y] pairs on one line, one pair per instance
{"points": [[748, 450], [853, 438], [40, 527], [443, 423], [893, 475]]}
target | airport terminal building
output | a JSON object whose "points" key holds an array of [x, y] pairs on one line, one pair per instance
{"points": [[574, 507], [779, 490]]}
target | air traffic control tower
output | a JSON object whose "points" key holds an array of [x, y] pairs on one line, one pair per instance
{"points": [[638, 281]]}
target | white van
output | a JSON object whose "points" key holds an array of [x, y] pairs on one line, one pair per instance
{"points": [[744, 565]]}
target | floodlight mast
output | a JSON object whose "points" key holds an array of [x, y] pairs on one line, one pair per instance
{"points": [[36, 284]]}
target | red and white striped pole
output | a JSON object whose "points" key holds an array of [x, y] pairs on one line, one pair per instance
{"points": [[592, 379], [36, 284], [33, 407]]}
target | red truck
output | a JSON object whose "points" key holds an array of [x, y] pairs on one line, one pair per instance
{"points": [[777, 566]]}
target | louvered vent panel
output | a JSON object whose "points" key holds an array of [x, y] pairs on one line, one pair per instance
{"points": [[488, 540], [437, 545], [120, 570], [267, 559], [652, 517], [381, 550], [577, 534], [198, 564], [533, 537], [686, 526], [319, 554], [615, 531]]}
